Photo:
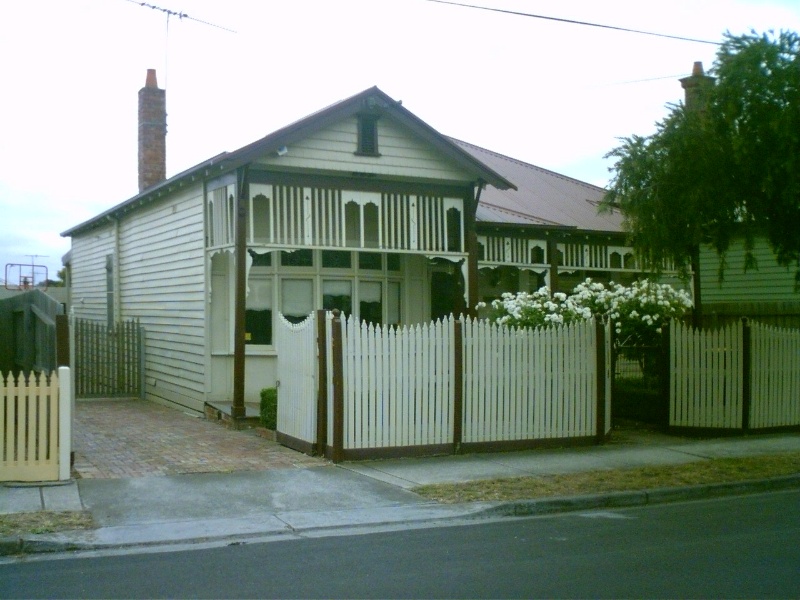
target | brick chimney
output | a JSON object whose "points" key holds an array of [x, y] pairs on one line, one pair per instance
{"points": [[694, 87], [152, 133]]}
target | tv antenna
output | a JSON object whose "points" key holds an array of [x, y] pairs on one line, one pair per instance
{"points": [[181, 15]]}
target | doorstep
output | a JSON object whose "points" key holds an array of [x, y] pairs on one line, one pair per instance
{"points": [[221, 413]]}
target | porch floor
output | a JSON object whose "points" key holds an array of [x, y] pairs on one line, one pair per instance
{"points": [[221, 411]]}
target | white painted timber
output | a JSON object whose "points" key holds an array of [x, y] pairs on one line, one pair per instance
{"points": [[775, 377], [88, 272]]}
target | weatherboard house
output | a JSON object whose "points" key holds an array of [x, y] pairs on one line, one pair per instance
{"points": [[360, 207]]}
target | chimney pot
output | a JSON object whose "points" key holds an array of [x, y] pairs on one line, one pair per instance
{"points": [[151, 81]]}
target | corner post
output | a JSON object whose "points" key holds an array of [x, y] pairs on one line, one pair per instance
{"points": [[64, 423], [666, 372], [600, 368], [337, 451], [322, 382]]}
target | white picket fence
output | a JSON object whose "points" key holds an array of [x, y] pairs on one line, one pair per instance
{"points": [[706, 376], [529, 384], [743, 376], [775, 376], [35, 427], [398, 385], [438, 387]]}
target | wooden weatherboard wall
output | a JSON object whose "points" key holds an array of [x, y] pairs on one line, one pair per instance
{"points": [[401, 153], [770, 282], [150, 266]]}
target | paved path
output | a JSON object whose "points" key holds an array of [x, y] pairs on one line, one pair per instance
{"points": [[135, 438]]}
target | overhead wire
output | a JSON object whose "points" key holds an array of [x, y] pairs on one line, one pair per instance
{"points": [[576, 22]]}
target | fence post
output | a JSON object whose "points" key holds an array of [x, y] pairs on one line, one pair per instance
{"points": [[666, 370], [458, 384], [600, 368], [62, 341], [746, 363], [337, 451], [322, 382], [64, 423]]}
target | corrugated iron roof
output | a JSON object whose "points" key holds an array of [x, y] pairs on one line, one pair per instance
{"points": [[542, 197]]}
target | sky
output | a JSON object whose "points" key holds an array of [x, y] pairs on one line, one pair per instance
{"points": [[554, 94]]}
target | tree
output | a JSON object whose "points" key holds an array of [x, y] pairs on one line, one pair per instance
{"points": [[727, 166]]}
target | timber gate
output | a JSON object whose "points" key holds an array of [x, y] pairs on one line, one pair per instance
{"points": [[108, 360]]}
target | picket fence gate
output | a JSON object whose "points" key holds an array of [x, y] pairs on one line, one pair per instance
{"points": [[442, 387], [35, 426], [739, 377]]}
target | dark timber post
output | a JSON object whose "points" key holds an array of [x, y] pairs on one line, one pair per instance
{"points": [[458, 384], [322, 385], [337, 451], [62, 341], [552, 258], [746, 363], [600, 353], [666, 370], [237, 406]]}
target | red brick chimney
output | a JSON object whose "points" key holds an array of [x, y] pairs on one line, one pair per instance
{"points": [[694, 87], [152, 133]]}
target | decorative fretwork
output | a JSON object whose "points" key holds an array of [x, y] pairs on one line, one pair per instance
{"points": [[221, 213], [525, 253], [291, 216]]}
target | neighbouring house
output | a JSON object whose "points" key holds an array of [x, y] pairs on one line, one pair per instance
{"points": [[769, 292], [360, 207]]}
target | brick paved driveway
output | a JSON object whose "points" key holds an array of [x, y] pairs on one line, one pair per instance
{"points": [[135, 438]]}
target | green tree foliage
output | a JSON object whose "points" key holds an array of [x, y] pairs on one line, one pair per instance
{"points": [[727, 166]]}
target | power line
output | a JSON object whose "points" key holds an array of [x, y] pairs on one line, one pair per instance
{"points": [[180, 15], [574, 22]]}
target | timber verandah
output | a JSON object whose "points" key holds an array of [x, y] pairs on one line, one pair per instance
{"points": [[352, 390]]}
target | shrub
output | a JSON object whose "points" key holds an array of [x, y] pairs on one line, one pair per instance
{"points": [[269, 408], [638, 312]]}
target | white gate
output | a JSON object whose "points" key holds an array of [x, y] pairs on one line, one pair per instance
{"points": [[297, 379]]}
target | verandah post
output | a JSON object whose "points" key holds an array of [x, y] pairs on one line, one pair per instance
{"points": [[746, 379], [458, 384], [337, 451], [600, 367], [322, 382]]}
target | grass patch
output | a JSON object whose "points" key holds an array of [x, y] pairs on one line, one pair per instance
{"points": [[719, 470], [44, 522]]}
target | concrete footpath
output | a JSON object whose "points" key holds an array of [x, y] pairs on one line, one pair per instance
{"points": [[230, 507]]}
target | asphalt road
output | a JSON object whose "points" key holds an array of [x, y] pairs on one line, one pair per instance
{"points": [[732, 547]]}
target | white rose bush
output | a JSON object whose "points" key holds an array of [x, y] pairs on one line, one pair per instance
{"points": [[638, 312]]}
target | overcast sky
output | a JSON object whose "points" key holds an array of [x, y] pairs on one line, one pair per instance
{"points": [[554, 94]]}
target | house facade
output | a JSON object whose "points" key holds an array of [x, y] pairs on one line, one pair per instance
{"points": [[360, 207]]}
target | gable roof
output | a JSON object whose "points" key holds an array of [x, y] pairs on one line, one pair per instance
{"points": [[372, 98], [542, 197]]}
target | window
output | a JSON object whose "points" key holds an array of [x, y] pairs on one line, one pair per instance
{"points": [[297, 299], [368, 135], [110, 290], [338, 295], [336, 259], [260, 259], [258, 310], [370, 302], [297, 258], [370, 261]]}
